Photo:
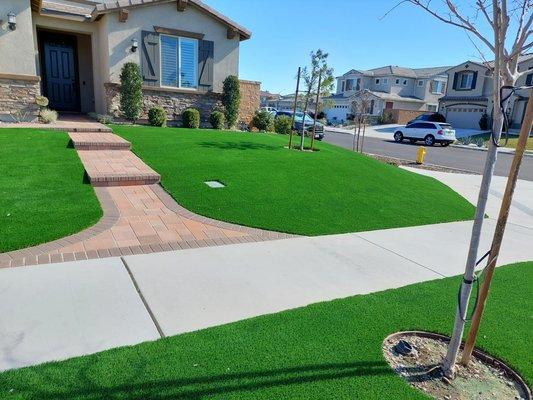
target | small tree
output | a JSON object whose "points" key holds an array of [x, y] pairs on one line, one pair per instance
{"points": [[263, 120], [231, 99], [360, 108], [131, 91], [318, 68]]}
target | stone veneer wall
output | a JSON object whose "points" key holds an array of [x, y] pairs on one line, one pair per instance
{"points": [[17, 97], [250, 100], [402, 116], [173, 101]]}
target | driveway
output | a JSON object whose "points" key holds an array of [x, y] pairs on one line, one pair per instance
{"points": [[379, 141], [63, 310]]}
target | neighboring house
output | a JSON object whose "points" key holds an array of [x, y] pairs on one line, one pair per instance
{"points": [[469, 94], [72, 51], [266, 98], [389, 88], [286, 102]]}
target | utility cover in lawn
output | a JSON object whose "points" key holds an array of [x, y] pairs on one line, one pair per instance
{"points": [[271, 187]]}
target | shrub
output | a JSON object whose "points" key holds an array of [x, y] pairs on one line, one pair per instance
{"points": [[41, 101], [484, 122], [263, 121], [191, 118], [102, 118], [283, 125], [157, 116], [48, 116], [217, 120], [231, 98], [131, 91]]}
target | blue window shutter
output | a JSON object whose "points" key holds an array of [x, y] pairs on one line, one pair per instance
{"points": [[474, 79], [150, 57], [455, 81], [206, 53]]}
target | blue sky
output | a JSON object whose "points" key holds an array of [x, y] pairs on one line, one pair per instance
{"points": [[349, 30]]}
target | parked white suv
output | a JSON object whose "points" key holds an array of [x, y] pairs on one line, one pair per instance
{"points": [[429, 132]]}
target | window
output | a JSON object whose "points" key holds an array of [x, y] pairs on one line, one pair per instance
{"points": [[432, 107], [420, 83], [349, 84], [179, 62], [437, 87], [529, 79], [397, 81], [358, 84], [385, 81], [465, 80], [377, 81], [405, 82], [343, 86]]}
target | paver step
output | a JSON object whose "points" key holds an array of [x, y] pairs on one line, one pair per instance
{"points": [[116, 168], [89, 129], [98, 141]]}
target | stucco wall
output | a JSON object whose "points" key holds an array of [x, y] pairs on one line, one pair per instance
{"points": [[17, 47], [481, 81], [120, 34]]}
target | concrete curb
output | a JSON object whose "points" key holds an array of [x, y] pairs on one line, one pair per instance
{"points": [[528, 153]]}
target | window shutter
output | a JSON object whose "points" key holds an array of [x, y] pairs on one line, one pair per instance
{"points": [[474, 79], [150, 58], [206, 55], [529, 79], [432, 87], [455, 80]]}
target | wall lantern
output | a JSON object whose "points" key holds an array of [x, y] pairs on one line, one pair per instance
{"points": [[12, 21], [134, 45]]}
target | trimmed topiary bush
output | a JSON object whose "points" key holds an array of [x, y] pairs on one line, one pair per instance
{"points": [[283, 124], [484, 122], [191, 118], [47, 116], [263, 120], [217, 120], [157, 116], [131, 91], [231, 98]]}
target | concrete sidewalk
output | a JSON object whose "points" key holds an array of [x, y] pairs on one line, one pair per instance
{"points": [[58, 311]]}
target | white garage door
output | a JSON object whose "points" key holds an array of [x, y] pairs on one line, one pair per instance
{"points": [[463, 116]]}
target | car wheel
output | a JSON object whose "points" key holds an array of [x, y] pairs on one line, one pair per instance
{"points": [[398, 137], [412, 141], [429, 140], [444, 144]]}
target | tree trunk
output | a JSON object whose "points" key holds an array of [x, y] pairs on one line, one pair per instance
{"points": [[448, 364], [302, 139], [363, 139], [295, 104]]}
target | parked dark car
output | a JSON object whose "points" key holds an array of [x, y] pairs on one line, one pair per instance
{"points": [[308, 124], [429, 117]]}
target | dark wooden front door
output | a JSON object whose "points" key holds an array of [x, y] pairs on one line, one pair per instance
{"points": [[60, 78], [388, 105]]}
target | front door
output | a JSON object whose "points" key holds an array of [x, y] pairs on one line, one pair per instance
{"points": [[388, 105], [60, 78]]}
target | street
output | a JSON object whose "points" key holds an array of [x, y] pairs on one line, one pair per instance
{"points": [[452, 157]]}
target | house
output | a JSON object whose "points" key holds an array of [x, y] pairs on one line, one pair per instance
{"points": [[72, 52], [406, 91], [469, 94], [286, 102], [266, 98]]}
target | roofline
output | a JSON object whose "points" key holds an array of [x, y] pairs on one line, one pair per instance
{"points": [[106, 8], [468, 62]]}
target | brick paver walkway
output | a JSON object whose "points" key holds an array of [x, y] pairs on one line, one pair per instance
{"points": [[139, 216]]}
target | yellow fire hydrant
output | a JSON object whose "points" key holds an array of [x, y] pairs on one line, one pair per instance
{"points": [[421, 155]]}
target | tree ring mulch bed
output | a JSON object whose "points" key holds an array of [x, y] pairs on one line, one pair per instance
{"points": [[418, 361]]}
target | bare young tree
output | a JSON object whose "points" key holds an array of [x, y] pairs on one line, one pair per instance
{"points": [[318, 68], [507, 48], [360, 108]]}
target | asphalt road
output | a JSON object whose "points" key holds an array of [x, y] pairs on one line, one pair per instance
{"points": [[470, 160]]}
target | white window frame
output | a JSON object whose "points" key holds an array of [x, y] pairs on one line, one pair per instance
{"points": [[435, 87], [179, 63], [469, 80]]}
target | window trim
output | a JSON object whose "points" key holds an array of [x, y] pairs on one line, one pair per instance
{"points": [[196, 41], [420, 83], [459, 79]]}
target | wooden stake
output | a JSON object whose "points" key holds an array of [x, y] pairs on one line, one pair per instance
{"points": [[316, 109], [500, 230], [294, 108]]}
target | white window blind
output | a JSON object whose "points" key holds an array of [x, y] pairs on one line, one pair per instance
{"points": [[179, 62]]}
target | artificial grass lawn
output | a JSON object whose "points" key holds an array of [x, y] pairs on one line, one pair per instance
{"points": [[328, 350], [511, 143], [42, 193], [268, 186]]}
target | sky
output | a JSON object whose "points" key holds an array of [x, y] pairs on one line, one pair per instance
{"points": [[284, 32]]}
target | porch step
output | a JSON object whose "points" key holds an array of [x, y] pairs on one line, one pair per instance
{"points": [[98, 141], [89, 129], [116, 168]]}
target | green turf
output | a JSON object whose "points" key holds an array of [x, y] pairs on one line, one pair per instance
{"points": [[328, 350], [268, 186], [485, 137], [42, 193]]}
